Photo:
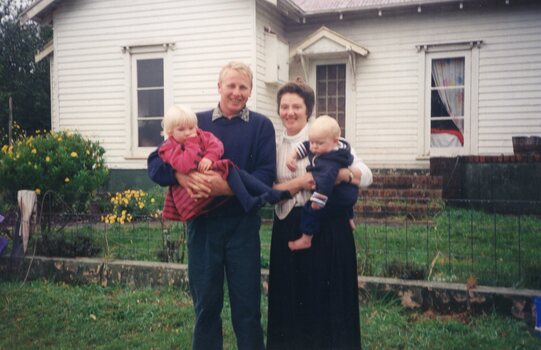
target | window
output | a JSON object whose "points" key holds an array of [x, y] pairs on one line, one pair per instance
{"points": [[149, 87], [331, 93], [447, 120], [447, 91], [448, 116], [150, 95]]}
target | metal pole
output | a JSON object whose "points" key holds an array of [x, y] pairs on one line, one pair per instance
{"points": [[10, 124]]}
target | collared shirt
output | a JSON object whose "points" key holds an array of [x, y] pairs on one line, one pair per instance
{"points": [[244, 114]]}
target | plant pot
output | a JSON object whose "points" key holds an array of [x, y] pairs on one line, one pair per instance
{"points": [[527, 145]]}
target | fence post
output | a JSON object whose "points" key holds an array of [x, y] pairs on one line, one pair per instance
{"points": [[10, 123]]}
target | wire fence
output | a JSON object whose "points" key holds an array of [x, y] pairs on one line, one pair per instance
{"points": [[474, 242]]}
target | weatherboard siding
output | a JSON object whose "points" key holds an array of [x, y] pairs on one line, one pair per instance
{"points": [[267, 16], [91, 72], [388, 79]]}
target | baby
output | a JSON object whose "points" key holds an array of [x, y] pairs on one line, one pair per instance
{"points": [[188, 148], [327, 153]]}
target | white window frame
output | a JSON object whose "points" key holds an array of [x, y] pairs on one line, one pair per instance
{"points": [[132, 54], [470, 52], [350, 92]]}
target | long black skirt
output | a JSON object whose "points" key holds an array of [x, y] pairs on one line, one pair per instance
{"points": [[313, 295]]}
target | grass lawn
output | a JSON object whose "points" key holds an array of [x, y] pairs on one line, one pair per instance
{"points": [[45, 315]]}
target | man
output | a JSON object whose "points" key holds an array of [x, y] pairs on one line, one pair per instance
{"points": [[227, 238]]}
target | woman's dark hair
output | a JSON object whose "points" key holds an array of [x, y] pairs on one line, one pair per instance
{"points": [[299, 87]]}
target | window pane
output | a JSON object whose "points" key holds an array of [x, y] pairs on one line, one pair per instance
{"points": [[341, 105], [341, 71], [437, 108], [321, 106], [331, 72], [150, 73], [150, 103], [322, 88], [448, 72], [332, 104], [150, 133], [321, 73], [332, 88]]}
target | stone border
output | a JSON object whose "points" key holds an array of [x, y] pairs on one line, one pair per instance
{"points": [[441, 297]]}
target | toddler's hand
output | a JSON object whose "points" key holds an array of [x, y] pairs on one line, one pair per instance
{"points": [[315, 206], [292, 163], [204, 164]]}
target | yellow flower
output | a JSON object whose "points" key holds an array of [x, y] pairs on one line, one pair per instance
{"points": [[152, 200], [73, 154], [67, 179], [47, 159], [38, 191], [34, 151]]}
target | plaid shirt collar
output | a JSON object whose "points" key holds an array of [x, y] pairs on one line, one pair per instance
{"points": [[244, 114]]}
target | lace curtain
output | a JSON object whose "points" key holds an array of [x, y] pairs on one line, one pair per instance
{"points": [[448, 75]]}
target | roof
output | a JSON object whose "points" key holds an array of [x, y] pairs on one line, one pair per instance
{"points": [[39, 11], [324, 6]]}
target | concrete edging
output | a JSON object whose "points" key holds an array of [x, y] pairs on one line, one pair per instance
{"points": [[440, 297]]}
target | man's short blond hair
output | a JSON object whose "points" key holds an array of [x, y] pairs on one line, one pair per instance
{"points": [[178, 115], [326, 126], [239, 67]]}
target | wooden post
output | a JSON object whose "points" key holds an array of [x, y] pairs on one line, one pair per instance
{"points": [[10, 124]]}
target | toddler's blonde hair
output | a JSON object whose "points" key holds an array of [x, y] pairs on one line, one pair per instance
{"points": [[326, 126], [178, 115]]}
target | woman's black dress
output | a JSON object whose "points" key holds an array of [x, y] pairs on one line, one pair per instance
{"points": [[313, 294]]}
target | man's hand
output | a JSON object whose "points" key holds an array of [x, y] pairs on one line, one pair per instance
{"points": [[214, 181], [196, 188]]}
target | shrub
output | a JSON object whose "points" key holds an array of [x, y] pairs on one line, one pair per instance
{"points": [[63, 164], [130, 204]]}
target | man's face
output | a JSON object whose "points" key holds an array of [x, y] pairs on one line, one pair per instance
{"points": [[235, 90]]}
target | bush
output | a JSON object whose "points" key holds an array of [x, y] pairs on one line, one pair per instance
{"points": [[63, 164], [130, 204]]}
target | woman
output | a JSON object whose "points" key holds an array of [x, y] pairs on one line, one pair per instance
{"points": [[313, 297]]}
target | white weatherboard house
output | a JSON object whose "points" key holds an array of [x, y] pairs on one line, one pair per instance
{"points": [[407, 79]]}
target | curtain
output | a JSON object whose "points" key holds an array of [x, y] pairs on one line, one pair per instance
{"points": [[448, 75]]}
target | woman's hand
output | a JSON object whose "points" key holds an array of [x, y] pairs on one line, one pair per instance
{"points": [[307, 181], [349, 175]]}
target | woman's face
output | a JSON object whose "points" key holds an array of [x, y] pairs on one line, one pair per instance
{"points": [[293, 113]]}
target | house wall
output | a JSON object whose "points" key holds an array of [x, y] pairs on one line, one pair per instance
{"points": [[388, 79], [267, 16], [90, 68]]}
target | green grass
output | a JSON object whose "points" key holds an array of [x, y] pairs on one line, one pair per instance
{"points": [[45, 315]]}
